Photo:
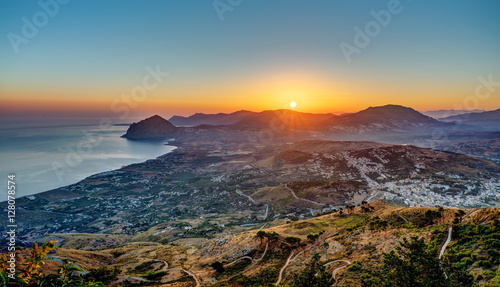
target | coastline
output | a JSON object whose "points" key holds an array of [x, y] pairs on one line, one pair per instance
{"points": [[98, 174]]}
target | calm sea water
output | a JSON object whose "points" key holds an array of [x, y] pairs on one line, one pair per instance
{"points": [[48, 157]]}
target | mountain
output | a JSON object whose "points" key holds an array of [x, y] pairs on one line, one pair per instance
{"points": [[210, 119], [383, 118], [154, 127], [492, 117], [448, 113], [388, 117], [283, 118]]}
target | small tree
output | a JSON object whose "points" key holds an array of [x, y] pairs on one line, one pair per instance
{"points": [[294, 241], [261, 234], [219, 267]]}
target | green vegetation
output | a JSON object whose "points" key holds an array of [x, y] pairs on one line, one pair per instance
{"points": [[154, 276], [429, 217], [102, 274], [31, 276], [219, 267], [143, 267], [314, 275], [415, 263]]}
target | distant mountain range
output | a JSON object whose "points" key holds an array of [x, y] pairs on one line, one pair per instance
{"points": [[448, 113], [388, 118], [209, 119], [477, 118], [373, 118]]}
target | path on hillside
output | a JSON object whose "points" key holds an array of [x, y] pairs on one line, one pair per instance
{"points": [[399, 214], [239, 259], [443, 249], [288, 261], [165, 266], [247, 196], [254, 202], [446, 242], [248, 257], [450, 229], [303, 199], [198, 282], [472, 213], [263, 254], [334, 272], [371, 196]]}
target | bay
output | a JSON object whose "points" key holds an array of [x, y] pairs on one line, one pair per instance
{"points": [[48, 157]]}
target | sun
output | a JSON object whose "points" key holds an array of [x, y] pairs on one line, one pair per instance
{"points": [[293, 104]]}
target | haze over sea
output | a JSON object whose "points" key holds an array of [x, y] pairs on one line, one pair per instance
{"points": [[45, 156]]}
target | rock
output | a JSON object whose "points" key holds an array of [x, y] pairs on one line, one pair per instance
{"points": [[154, 127]]}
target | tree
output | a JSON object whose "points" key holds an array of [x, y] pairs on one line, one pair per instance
{"points": [[312, 237], [458, 216], [314, 275], [261, 234], [413, 263], [219, 267], [294, 241]]}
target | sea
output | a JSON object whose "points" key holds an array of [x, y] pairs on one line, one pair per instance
{"points": [[45, 157]]}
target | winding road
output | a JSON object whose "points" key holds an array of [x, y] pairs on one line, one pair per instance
{"points": [[198, 282], [239, 259], [288, 261], [334, 272], [247, 196], [303, 199], [253, 201], [371, 196], [446, 242], [399, 214]]}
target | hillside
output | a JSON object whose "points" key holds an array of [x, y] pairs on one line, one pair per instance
{"points": [[154, 127], [202, 190], [350, 244]]}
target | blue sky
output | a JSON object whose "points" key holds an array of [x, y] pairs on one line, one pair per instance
{"points": [[94, 50]]}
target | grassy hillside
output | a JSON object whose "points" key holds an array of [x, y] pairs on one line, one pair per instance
{"points": [[353, 243]]}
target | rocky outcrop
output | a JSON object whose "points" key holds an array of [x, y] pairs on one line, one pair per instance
{"points": [[154, 127]]}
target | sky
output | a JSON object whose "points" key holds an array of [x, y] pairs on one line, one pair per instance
{"points": [[129, 59]]}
